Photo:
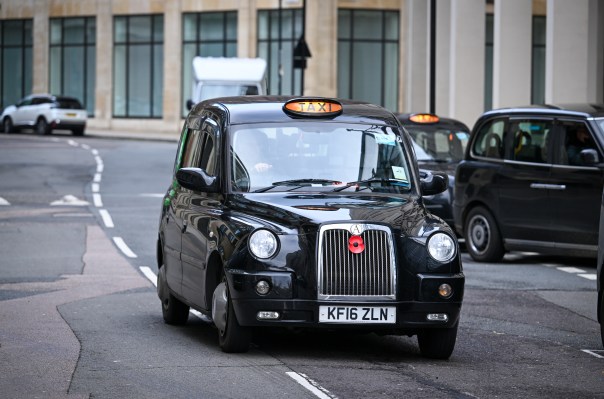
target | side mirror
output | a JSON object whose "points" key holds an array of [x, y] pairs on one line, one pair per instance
{"points": [[190, 104], [196, 179], [589, 157], [432, 183]]}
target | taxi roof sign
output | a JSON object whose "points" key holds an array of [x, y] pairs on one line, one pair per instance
{"points": [[313, 107], [424, 118]]}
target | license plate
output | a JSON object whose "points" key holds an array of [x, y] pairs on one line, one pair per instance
{"points": [[357, 314], [71, 114]]}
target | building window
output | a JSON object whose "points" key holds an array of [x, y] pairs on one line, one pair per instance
{"points": [[207, 34], [138, 56], [488, 63], [538, 64], [15, 60], [368, 56], [73, 59], [278, 34]]}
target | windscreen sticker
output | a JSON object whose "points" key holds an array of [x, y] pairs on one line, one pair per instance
{"points": [[385, 139], [399, 173]]}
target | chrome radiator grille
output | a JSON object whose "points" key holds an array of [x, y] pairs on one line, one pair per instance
{"points": [[367, 275]]}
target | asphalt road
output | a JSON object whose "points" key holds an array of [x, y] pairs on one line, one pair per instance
{"points": [[79, 316]]}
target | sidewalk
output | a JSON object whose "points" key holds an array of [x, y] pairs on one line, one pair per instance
{"points": [[134, 135]]}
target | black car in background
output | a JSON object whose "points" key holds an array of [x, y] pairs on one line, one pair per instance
{"points": [[439, 145], [305, 213], [532, 180]]}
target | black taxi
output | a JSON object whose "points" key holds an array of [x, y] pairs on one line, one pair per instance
{"points": [[305, 213]]}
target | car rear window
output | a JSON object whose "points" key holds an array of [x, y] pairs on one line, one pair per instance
{"points": [[67, 103]]}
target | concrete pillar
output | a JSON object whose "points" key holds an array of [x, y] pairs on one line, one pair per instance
{"points": [[320, 76], [418, 46], [466, 87], [443, 56], [40, 48], [104, 67], [567, 52], [512, 47], [172, 64], [595, 45]]}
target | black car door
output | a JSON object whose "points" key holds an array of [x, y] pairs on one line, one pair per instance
{"points": [[524, 181], [196, 230], [575, 204]]}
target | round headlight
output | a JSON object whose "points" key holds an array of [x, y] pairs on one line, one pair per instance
{"points": [[263, 244], [441, 247]]}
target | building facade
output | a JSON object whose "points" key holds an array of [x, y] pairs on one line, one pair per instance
{"points": [[129, 61]]}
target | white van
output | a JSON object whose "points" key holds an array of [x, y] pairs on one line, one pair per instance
{"points": [[221, 77]]}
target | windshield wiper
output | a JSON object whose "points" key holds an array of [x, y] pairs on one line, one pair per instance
{"points": [[374, 180], [298, 183]]}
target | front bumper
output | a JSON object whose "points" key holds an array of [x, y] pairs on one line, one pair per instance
{"points": [[411, 314]]}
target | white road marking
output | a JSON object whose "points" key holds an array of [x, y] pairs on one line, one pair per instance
{"points": [[96, 187], [123, 247], [100, 167], [151, 195], [106, 218], [149, 274], [3, 201], [72, 143], [317, 390], [70, 200], [589, 276], [94, 151], [570, 269], [85, 146], [97, 178], [96, 199], [594, 352]]}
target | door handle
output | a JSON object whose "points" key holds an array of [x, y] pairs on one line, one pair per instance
{"points": [[543, 186]]}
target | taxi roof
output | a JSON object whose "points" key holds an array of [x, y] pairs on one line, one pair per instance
{"points": [[262, 109], [583, 110]]}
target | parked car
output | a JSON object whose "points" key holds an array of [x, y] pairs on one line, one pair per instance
{"points": [[532, 180], [439, 145], [303, 212], [44, 113], [600, 271]]}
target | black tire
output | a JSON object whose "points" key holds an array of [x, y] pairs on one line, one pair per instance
{"points": [[7, 125], [174, 311], [78, 131], [601, 295], [234, 338], [42, 127], [483, 240], [437, 343]]}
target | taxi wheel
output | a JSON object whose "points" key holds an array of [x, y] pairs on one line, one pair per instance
{"points": [[174, 311], [437, 343], [483, 240], [233, 338], [42, 127], [602, 317]]}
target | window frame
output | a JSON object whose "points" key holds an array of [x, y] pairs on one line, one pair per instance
{"points": [[26, 46]]}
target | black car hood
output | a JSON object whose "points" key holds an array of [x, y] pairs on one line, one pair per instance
{"points": [[306, 211]]}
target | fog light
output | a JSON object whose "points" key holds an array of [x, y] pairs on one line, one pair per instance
{"points": [[267, 315], [445, 291], [437, 317], [263, 287]]}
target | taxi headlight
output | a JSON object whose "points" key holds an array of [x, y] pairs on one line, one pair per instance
{"points": [[263, 244], [441, 247]]}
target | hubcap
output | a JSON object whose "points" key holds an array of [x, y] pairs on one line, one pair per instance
{"points": [[220, 307], [479, 233]]}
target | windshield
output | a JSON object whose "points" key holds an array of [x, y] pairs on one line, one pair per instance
{"points": [[600, 123], [438, 144], [318, 157]]}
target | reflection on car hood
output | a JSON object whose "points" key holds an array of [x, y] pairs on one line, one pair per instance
{"points": [[307, 211]]}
